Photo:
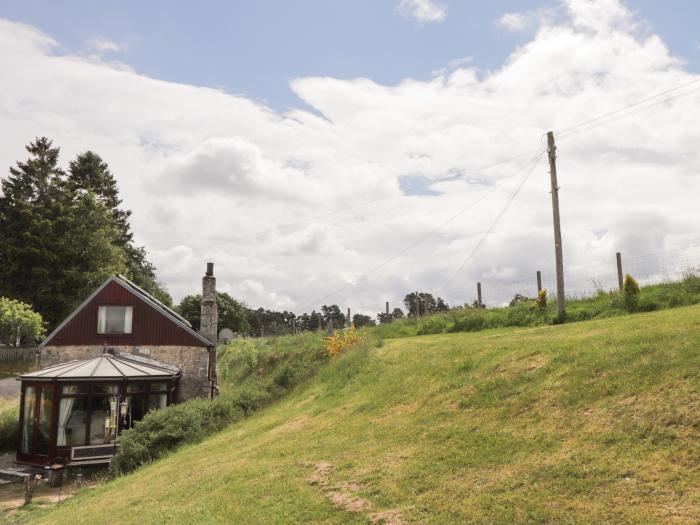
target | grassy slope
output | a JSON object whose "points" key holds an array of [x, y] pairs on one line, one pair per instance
{"points": [[587, 423]]}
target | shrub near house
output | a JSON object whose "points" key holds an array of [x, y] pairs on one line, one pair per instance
{"points": [[19, 324]]}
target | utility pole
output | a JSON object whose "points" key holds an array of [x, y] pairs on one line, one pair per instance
{"points": [[349, 318], [561, 297], [478, 295], [619, 270], [417, 305], [539, 281]]}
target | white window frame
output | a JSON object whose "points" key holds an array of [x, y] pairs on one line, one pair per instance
{"points": [[102, 319]]}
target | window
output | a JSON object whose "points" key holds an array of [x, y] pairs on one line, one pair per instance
{"points": [[114, 319]]}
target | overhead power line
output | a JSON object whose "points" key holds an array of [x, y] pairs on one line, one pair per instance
{"points": [[624, 112], [493, 224], [598, 121], [409, 189], [429, 234]]}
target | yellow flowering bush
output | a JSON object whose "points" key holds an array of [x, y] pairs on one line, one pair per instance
{"points": [[335, 344]]}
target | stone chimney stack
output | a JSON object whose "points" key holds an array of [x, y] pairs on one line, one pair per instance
{"points": [[209, 319]]}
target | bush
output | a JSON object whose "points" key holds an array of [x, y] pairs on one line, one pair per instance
{"points": [[631, 291], [257, 373]]}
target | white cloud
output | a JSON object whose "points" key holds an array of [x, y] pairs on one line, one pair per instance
{"points": [[527, 20], [423, 10], [101, 45], [202, 169]]}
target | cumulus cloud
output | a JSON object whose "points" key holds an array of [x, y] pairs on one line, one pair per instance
{"points": [[423, 10], [215, 176]]}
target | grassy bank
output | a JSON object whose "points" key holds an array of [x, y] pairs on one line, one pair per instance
{"points": [[253, 374], [578, 423], [603, 305]]}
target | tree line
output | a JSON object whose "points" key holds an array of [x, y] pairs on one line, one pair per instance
{"points": [[242, 320]]}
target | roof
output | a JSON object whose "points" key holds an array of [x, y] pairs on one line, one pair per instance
{"points": [[106, 366], [141, 294]]}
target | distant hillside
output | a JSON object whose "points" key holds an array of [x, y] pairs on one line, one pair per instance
{"points": [[595, 422]]}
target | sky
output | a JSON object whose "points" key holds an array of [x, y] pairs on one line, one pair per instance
{"points": [[294, 143]]}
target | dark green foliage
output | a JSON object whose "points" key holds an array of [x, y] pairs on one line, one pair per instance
{"points": [[232, 313], [360, 320], [253, 375], [333, 314], [62, 233], [269, 322], [519, 299], [422, 303], [162, 431]]}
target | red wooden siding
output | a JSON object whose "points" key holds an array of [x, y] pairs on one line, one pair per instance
{"points": [[150, 326]]}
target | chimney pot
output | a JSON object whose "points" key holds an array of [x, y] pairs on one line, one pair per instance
{"points": [[210, 268]]}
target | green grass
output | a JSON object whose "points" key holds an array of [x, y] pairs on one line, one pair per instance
{"points": [[9, 415], [595, 422], [662, 296]]}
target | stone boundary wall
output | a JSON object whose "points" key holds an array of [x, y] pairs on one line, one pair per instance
{"points": [[193, 360]]}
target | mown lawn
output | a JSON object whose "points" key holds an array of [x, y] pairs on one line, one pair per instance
{"points": [[595, 422]]}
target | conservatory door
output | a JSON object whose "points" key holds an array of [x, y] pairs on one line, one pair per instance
{"points": [[37, 415]]}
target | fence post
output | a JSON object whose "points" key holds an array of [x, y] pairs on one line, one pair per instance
{"points": [[620, 281], [539, 281], [478, 295]]}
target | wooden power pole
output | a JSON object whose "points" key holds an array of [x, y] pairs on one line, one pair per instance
{"points": [[552, 150], [620, 279]]}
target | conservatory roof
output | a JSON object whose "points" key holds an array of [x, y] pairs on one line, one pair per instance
{"points": [[106, 366]]}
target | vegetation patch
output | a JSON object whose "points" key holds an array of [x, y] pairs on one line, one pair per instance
{"points": [[540, 311]]}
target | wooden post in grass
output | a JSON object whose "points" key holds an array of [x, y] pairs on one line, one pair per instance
{"points": [[561, 296], [539, 281], [620, 280], [478, 295]]}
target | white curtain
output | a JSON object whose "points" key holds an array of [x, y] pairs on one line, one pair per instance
{"points": [[28, 423], [65, 410], [128, 316], [102, 320]]}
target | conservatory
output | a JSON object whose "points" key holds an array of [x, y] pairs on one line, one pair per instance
{"points": [[71, 413]]}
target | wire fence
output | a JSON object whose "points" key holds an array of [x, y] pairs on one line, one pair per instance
{"points": [[586, 280]]}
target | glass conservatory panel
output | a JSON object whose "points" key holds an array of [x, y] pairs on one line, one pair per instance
{"points": [[102, 420], [45, 413], [28, 421], [157, 401], [72, 420]]}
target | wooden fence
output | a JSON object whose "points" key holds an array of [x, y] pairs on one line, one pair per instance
{"points": [[22, 353]]}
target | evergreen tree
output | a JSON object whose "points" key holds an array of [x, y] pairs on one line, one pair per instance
{"points": [[89, 173], [62, 234]]}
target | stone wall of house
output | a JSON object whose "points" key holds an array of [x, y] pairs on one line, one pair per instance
{"points": [[193, 360]]}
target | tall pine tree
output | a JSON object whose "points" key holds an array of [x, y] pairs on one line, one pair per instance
{"points": [[62, 234], [89, 173]]}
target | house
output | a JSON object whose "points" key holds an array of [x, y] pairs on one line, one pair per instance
{"points": [[118, 355]]}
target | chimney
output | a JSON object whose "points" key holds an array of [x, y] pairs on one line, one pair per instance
{"points": [[209, 319]]}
